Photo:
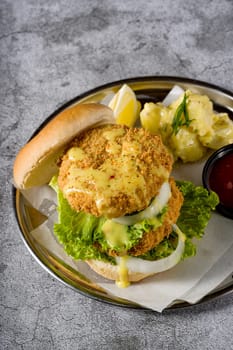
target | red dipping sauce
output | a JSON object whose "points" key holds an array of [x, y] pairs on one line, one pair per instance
{"points": [[217, 176], [221, 179]]}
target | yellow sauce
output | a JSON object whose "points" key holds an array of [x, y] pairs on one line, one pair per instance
{"points": [[160, 171], [123, 273], [76, 153], [111, 135], [131, 148], [118, 174], [115, 234]]}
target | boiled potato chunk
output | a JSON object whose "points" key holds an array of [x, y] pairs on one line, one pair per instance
{"points": [[151, 115], [186, 146], [222, 132]]}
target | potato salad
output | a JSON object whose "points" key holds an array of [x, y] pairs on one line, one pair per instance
{"points": [[189, 125]]}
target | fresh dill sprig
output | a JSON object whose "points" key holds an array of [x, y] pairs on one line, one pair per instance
{"points": [[181, 117]]}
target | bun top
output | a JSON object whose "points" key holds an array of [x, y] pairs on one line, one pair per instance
{"points": [[36, 162]]}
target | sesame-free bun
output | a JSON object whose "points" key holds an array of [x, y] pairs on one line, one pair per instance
{"points": [[110, 271], [36, 162]]}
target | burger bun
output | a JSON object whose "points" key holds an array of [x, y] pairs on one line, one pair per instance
{"points": [[36, 162], [111, 272]]}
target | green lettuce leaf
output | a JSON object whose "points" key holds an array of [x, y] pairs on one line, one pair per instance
{"points": [[82, 237], [196, 210], [166, 248], [81, 234], [194, 216]]}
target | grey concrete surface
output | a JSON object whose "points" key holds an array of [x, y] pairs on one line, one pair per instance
{"points": [[51, 51]]}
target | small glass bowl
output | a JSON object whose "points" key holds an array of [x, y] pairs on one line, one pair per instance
{"points": [[208, 169]]}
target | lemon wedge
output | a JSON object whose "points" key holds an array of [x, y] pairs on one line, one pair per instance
{"points": [[125, 106]]}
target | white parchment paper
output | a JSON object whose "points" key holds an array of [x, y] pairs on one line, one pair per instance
{"points": [[190, 280]]}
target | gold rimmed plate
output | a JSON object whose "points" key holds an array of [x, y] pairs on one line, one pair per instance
{"points": [[147, 89]]}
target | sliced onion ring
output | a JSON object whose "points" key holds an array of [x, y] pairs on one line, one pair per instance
{"points": [[153, 210], [173, 95], [150, 267]]}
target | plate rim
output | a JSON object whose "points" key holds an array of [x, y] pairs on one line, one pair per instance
{"points": [[129, 80], [83, 291]]}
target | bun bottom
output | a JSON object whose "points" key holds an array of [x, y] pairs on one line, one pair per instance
{"points": [[110, 271]]}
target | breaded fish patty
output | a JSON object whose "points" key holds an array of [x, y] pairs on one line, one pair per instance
{"points": [[114, 170], [152, 238]]}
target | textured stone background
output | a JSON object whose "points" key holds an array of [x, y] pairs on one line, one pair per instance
{"points": [[50, 52]]}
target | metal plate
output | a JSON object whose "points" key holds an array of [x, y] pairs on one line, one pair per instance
{"points": [[147, 89]]}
